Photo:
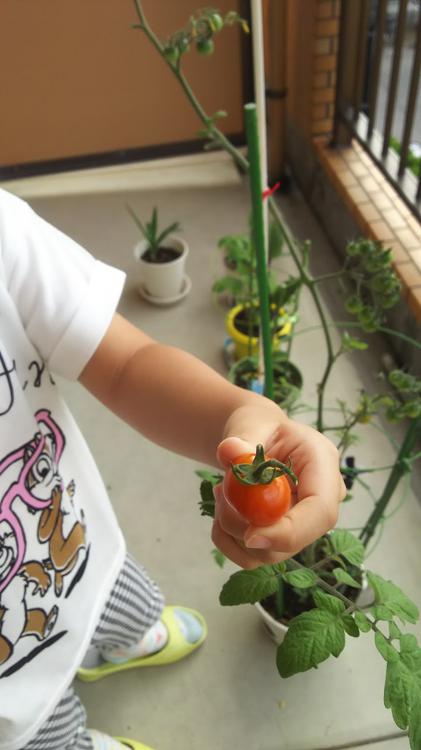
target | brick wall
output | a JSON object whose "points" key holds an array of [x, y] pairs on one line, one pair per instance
{"points": [[326, 32]]}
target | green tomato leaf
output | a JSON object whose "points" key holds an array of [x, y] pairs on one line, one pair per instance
{"points": [[249, 586], [219, 557], [211, 476], [409, 643], [381, 612], [415, 726], [350, 626], [227, 284], [394, 631], [347, 545], [403, 689], [351, 343], [362, 621], [343, 577], [388, 594], [207, 499], [300, 579], [383, 646], [328, 602], [311, 638]]}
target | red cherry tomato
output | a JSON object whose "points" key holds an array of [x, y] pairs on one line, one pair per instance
{"points": [[260, 504]]}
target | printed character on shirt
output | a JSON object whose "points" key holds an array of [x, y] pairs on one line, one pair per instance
{"points": [[36, 512]]}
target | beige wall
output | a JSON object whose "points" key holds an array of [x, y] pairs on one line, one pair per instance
{"points": [[76, 79]]}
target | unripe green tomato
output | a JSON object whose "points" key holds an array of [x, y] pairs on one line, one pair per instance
{"points": [[390, 300], [171, 54], [353, 304], [216, 21], [370, 326], [353, 249], [371, 264], [205, 46]]}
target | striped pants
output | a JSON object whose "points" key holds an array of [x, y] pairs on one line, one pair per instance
{"points": [[134, 604]]}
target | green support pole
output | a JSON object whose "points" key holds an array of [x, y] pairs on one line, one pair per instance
{"points": [[256, 190]]}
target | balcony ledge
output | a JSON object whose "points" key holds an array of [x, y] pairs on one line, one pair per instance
{"points": [[378, 211]]}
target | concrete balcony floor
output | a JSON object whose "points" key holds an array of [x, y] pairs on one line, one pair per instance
{"points": [[229, 693]]}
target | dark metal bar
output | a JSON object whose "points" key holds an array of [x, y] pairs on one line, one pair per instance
{"points": [[412, 100], [360, 52], [358, 74], [375, 66], [340, 134], [349, 78], [394, 76]]}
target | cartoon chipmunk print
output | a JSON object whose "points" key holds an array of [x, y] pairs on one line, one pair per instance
{"points": [[64, 550], [38, 488], [25, 621]]}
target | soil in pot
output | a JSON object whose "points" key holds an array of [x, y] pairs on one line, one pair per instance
{"points": [[163, 255], [287, 378], [247, 321]]}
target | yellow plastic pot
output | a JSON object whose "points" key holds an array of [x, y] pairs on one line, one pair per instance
{"points": [[245, 345]]}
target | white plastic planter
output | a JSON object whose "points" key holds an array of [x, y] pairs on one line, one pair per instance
{"points": [[163, 282], [275, 629]]}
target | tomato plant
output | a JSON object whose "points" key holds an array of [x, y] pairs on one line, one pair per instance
{"points": [[258, 488]]}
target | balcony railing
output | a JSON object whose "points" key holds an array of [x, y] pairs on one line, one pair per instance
{"points": [[378, 89]]}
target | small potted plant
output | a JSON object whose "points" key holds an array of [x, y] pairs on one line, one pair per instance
{"points": [[238, 287], [313, 601], [238, 283], [287, 378], [162, 258]]}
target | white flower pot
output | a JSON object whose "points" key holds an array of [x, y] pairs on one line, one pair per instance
{"points": [[163, 281], [275, 629]]}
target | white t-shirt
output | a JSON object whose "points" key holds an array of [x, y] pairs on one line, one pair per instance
{"points": [[60, 545]]}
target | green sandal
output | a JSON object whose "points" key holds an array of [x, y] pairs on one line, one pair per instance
{"points": [[175, 649], [132, 744]]}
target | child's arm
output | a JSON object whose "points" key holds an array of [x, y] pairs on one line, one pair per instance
{"points": [[170, 396], [182, 404]]}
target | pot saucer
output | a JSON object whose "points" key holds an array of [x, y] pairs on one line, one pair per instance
{"points": [[163, 301]]}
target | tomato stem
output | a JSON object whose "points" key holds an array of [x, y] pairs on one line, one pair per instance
{"points": [[262, 470]]}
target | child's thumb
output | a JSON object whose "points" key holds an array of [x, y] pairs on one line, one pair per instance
{"points": [[230, 448]]}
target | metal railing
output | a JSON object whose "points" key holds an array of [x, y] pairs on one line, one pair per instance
{"points": [[378, 89]]}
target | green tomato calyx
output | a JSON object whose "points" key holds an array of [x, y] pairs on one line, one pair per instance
{"points": [[262, 470]]}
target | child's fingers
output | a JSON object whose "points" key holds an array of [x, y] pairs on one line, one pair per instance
{"points": [[229, 519], [230, 448], [233, 548], [307, 520]]}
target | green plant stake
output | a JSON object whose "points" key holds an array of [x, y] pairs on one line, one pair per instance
{"points": [[256, 190]]}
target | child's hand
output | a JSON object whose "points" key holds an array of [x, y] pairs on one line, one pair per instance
{"points": [[316, 498]]}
